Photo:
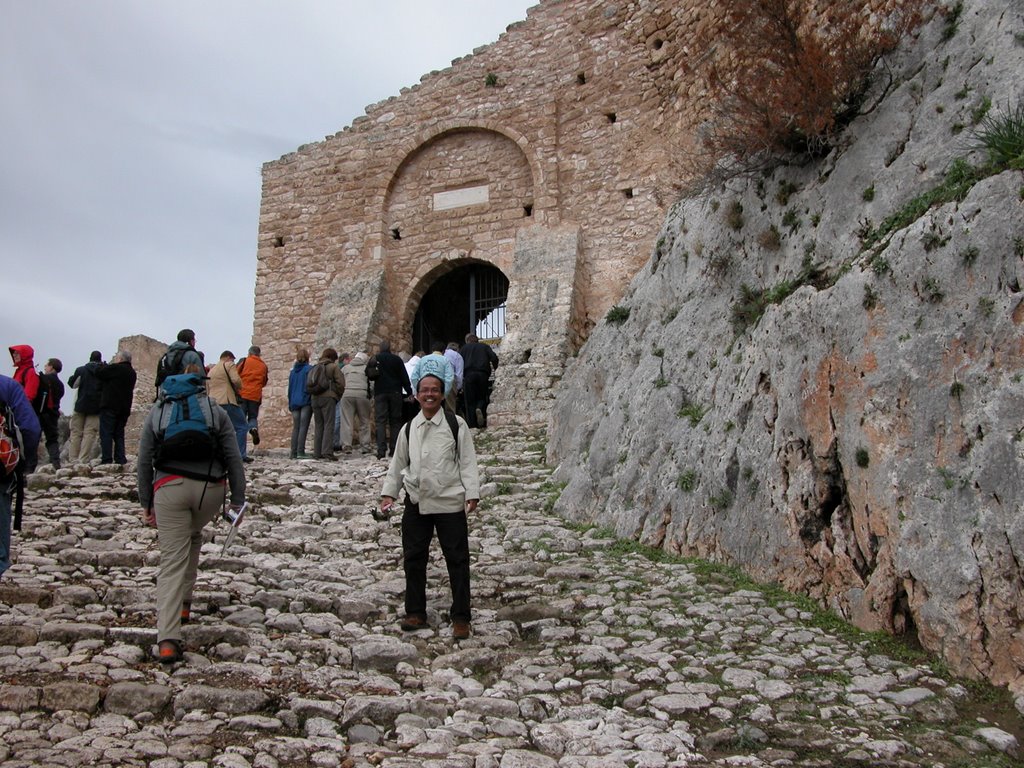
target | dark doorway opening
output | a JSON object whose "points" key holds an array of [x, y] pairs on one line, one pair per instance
{"points": [[469, 298]]}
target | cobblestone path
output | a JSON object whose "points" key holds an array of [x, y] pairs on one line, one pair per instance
{"points": [[586, 651]]}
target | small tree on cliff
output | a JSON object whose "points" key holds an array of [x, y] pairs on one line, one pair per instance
{"points": [[786, 76]]}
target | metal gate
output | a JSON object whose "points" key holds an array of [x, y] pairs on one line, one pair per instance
{"points": [[488, 291], [469, 299]]}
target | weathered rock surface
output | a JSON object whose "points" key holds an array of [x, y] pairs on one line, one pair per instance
{"points": [[861, 440], [584, 653]]}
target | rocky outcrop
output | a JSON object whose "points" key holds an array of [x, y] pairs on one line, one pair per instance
{"points": [[820, 380]]}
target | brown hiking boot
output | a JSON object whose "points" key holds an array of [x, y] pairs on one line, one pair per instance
{"points": [[460, 630], [413, 623]]}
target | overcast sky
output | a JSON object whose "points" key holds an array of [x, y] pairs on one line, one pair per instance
{"points": [[134, 132]]}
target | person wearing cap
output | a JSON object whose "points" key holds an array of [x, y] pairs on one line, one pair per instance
{"points": [[85, 419], [438, 472]]}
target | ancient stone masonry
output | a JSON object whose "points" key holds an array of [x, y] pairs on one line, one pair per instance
{"points": [[524, 156]]}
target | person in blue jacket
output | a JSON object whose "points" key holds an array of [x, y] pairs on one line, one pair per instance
{"points": [[300, 403], [12, 484]]}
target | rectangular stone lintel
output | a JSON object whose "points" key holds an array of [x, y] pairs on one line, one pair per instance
{"points": [[459, 198]]}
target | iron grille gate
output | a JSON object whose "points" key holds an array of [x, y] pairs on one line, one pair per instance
{"points": [[469, 299], [488, 290]]}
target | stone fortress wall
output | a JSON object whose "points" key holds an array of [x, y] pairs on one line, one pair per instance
{"points": [[549, 154]]}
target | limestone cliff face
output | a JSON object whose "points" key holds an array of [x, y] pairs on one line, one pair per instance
{"points": [[861, 440]]}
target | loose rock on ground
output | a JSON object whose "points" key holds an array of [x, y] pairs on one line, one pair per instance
{"points": [[585, 653]]}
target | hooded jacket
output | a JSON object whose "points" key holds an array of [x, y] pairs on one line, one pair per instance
{"points": [[356, 383], [298, 397], [25, 370]]}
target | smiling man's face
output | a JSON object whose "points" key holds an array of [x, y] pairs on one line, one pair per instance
{"points": [[430, 395]]}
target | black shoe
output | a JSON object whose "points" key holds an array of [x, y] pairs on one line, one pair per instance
{"points": [[255, 436], [248, 459]]}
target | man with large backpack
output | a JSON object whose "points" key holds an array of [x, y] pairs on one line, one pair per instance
{"points": [[188, 456], [19, 443], [179, 355]]}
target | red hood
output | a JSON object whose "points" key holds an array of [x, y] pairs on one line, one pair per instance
{"points": [[26, 352]]}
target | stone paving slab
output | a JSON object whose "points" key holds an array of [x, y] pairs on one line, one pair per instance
{"points": [[585, 653]]}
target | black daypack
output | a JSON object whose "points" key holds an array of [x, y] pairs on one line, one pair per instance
{"points": [[42, 394], [186, 431], [372, 369], [169, 365], [317, 381]]}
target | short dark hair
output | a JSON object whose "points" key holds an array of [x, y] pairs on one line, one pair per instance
{"points": [[437, 346], [384, 346], [227, 353], [329, 354], [471, 338], [96, 356], [187, 335], [56, 364], [429, 376]]}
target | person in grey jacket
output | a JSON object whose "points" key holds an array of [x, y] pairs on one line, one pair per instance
{"points": [[179, 497]]}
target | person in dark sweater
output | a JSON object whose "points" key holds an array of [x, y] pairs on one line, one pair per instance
{"points": [[390, 388], [51, 390], [480, 360], [118, 381]]}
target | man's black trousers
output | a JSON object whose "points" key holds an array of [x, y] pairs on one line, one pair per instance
{"points": [[453, 535], [387, 408], [474, 386]]}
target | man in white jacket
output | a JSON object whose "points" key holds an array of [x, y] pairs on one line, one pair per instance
{"points": [[435, 462]]}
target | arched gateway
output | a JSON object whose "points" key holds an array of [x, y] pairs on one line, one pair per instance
{"points": [[530, 159]]}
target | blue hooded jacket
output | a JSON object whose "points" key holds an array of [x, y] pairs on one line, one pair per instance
{"points": [[298, 397]]}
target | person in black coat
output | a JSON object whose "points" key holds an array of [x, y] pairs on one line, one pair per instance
{"points": [[390, 388], [118, 381], [480, 360], [85, 421]]}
